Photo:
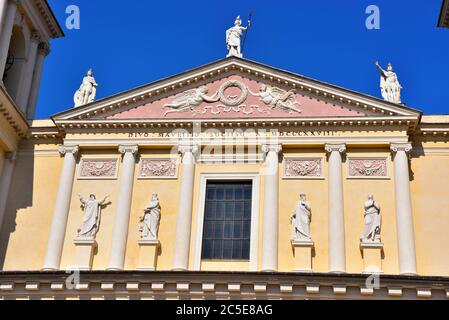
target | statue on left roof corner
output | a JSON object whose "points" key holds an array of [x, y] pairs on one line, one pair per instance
{"points": [[233, 38], [87, 91]]}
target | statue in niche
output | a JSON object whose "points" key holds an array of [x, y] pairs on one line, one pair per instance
{"points": [[92, 214], [87, 91], [373, 221], [301, 220], [389, 84], [233, 38], [278, 98], [150, 220]]}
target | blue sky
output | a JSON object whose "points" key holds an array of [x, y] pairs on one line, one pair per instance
{"points": [[135, 42]]}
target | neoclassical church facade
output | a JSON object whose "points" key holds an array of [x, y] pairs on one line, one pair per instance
{"points": [[233, 180]]}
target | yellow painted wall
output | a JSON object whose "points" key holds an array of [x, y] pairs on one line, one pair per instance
{"points": [[355, 194], [430, 190], [36, 178], [316, 192], [29, 211]]}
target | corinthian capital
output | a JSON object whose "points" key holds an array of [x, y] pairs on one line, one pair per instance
{"points": [[396, 147], [128, 149], [341, 148], [63, 150]]}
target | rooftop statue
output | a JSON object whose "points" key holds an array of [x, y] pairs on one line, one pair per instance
{"points": [[389, 84], [87, 91], [234, 37]]}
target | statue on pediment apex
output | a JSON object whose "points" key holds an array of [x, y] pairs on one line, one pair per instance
{"points": [[234, 38]]}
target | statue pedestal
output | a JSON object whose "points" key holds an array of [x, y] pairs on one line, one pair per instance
{"points": [[303, 255], [85, 249], [148, 253], [372, 256]]}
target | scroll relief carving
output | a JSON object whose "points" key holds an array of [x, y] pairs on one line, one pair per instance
{"points": [[272, 98], [303, 168], [368, 168], [98, 169], [158, 168]]}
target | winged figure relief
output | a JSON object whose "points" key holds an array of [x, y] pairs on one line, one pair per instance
{"points": [[190, 99], [278, 98]]}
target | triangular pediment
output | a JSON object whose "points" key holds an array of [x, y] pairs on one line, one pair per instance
{"points": [[236, 88]]}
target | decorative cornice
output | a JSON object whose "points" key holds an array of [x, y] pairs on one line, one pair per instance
{"points": [[133, 149], [341, 148], [159, 285], [396, 147], [49, 18], [63, 150]]}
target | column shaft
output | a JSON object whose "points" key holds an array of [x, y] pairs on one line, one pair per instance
{"points": [[184, 219], [36, 83], [5, 36], [404, 215], [5, 182], [3, 7], [270, 229], [337, 257], [23, 93], [61, 212], [121, 224]]}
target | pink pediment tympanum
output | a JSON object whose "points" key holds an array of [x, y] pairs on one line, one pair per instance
{"points": [[237, 97]]}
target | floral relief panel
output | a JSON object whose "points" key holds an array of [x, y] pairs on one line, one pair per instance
{"points": [[98, 169], [158, 169], [303, 168], [368, 168]]}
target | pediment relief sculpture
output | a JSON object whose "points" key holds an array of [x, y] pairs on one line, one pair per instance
{"points": [[271, 97]]}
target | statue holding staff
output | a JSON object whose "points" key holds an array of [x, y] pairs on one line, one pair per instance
{"points": [[389, 84], [151, 219], [371, 232]]}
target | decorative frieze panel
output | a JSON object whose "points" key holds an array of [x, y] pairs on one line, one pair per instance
{"points": [[303, 168], [98, 169], [367, 168], [158, 169]]}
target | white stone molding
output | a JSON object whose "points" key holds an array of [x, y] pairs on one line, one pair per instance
{"points": [[337, 256], [270, 232], [303, 168], [124, 199], [98, 169], [255, 205], [62, 207], [158, 168], [404, 213], [367, 168], [184, 218]]}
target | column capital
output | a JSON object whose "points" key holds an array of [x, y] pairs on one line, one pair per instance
{"points": [[406, 147], [63, 150], [11, 156], [271, 148], [128, 149], [341, 148], [188, 148], [44, 49], [35, 37]]}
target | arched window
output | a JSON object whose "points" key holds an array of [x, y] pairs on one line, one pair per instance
{"points": [[15, 63]]}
